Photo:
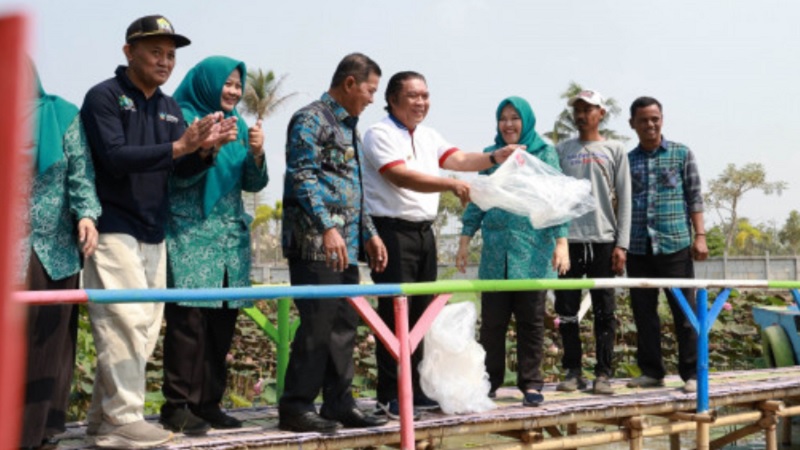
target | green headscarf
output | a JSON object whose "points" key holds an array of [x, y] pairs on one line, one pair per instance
{"points": [[529, 137], [198, 95], [53, 116]]}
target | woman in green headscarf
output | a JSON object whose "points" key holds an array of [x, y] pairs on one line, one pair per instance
{"points": [[208, 246], [63, 210], [513, 249]]}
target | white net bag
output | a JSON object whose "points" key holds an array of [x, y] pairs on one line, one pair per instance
{"points": [[526, 186], [453, 370]]}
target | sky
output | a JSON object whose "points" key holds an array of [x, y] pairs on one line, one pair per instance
{"points": [[726, 71]]}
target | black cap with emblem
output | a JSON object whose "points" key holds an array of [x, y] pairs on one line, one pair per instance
{"points": [[149, 26]]}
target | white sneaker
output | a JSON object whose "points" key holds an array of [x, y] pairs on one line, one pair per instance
{"points": [[135, 435], [690, 386]]}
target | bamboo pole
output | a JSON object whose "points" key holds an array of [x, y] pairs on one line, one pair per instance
{"points": [[703, 436], [506, 426], [674, 438], [707, 417], [734, 436], [771, 405], [771, 438], [790, 411], [787, 431], [675, 442], [608, 437], [769, 422], [572, 428]]}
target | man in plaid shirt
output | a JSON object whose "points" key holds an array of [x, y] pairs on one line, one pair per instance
{"points": [[667, 205]]}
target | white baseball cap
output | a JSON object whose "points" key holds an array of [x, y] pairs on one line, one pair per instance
{"points": [[589, 96]]}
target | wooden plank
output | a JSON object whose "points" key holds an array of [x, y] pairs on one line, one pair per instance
{"points": [[745, 390]]}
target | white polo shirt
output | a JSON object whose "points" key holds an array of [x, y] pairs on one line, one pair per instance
{"points": [[389, 143]]}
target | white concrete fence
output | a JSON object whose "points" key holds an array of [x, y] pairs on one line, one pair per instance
{"points": [[729, 268]]}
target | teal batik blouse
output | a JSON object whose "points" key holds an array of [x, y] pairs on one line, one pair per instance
{"points": [[512, 248], [200, 249], [59, 197]]}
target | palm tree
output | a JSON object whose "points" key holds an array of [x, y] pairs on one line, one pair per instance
{"points": [[564, 127], [262, 94], [262, 97]]}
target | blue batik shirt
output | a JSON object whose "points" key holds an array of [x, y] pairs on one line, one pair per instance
{"points": [[322, 186], [666, 191]]}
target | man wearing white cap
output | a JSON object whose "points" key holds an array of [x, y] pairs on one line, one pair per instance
{"points": [[598, 240]]}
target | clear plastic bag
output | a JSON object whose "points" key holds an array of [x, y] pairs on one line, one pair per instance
{"points": [[526, 186], [453, 370]]}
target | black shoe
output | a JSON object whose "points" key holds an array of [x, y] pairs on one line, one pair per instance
{"points": [[355, 418], [218, 419], [307, 422], [492, 394], [533, 398], [47, 444], [181, 420], [424, 403]]}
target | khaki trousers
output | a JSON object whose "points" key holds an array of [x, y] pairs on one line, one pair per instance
{"points": [[125, 334]]}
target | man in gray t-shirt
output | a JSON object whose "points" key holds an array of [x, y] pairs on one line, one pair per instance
{"points": [[598, 240]]}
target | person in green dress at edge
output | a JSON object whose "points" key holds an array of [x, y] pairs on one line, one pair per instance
{"points": [[62, 211], [208, 246], [513, 249]]}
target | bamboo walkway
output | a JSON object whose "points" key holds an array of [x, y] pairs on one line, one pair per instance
{"points": [[755, 399]]}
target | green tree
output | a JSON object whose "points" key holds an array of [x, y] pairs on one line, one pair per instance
{"points": [[789, 235], [262, 97], [715, 240], [262, 93], [265, 231], [749, 239], [725, 194], [564, 127]]}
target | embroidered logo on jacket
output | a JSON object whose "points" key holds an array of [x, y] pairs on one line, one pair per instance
{"points": [[126, 104], [168, 117]]}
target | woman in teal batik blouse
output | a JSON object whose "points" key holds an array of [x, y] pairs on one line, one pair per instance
{"points": [[513, 249], [63, 210], [208, 246]]}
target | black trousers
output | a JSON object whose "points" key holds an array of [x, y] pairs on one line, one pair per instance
{"points": [[411, 247], [196, 343], [322, 349], [592, 261], [645, 313], [528, 308], [51, 335]]}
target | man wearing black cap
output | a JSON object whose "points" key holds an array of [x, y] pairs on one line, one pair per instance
{"points": [[138, 137]]}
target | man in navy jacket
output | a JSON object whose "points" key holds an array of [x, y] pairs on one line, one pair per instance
{"points": [[138, 137]]}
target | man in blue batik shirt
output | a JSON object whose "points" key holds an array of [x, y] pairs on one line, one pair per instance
{"points": [[667, 204], [325, 228]]}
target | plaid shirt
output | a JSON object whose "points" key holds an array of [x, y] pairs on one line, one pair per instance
{"points": [[666, 191], [322, 185]]}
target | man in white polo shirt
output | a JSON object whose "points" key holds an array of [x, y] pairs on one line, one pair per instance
{"points": [[401, 192]]}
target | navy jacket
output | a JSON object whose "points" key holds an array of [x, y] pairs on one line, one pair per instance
{"points": [[131, 141]]}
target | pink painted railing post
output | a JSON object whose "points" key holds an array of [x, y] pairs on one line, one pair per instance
{"points": [[15, 93], [405, 394]]}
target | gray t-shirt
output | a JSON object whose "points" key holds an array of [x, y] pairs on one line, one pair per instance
{"points": [[605, 165]]}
